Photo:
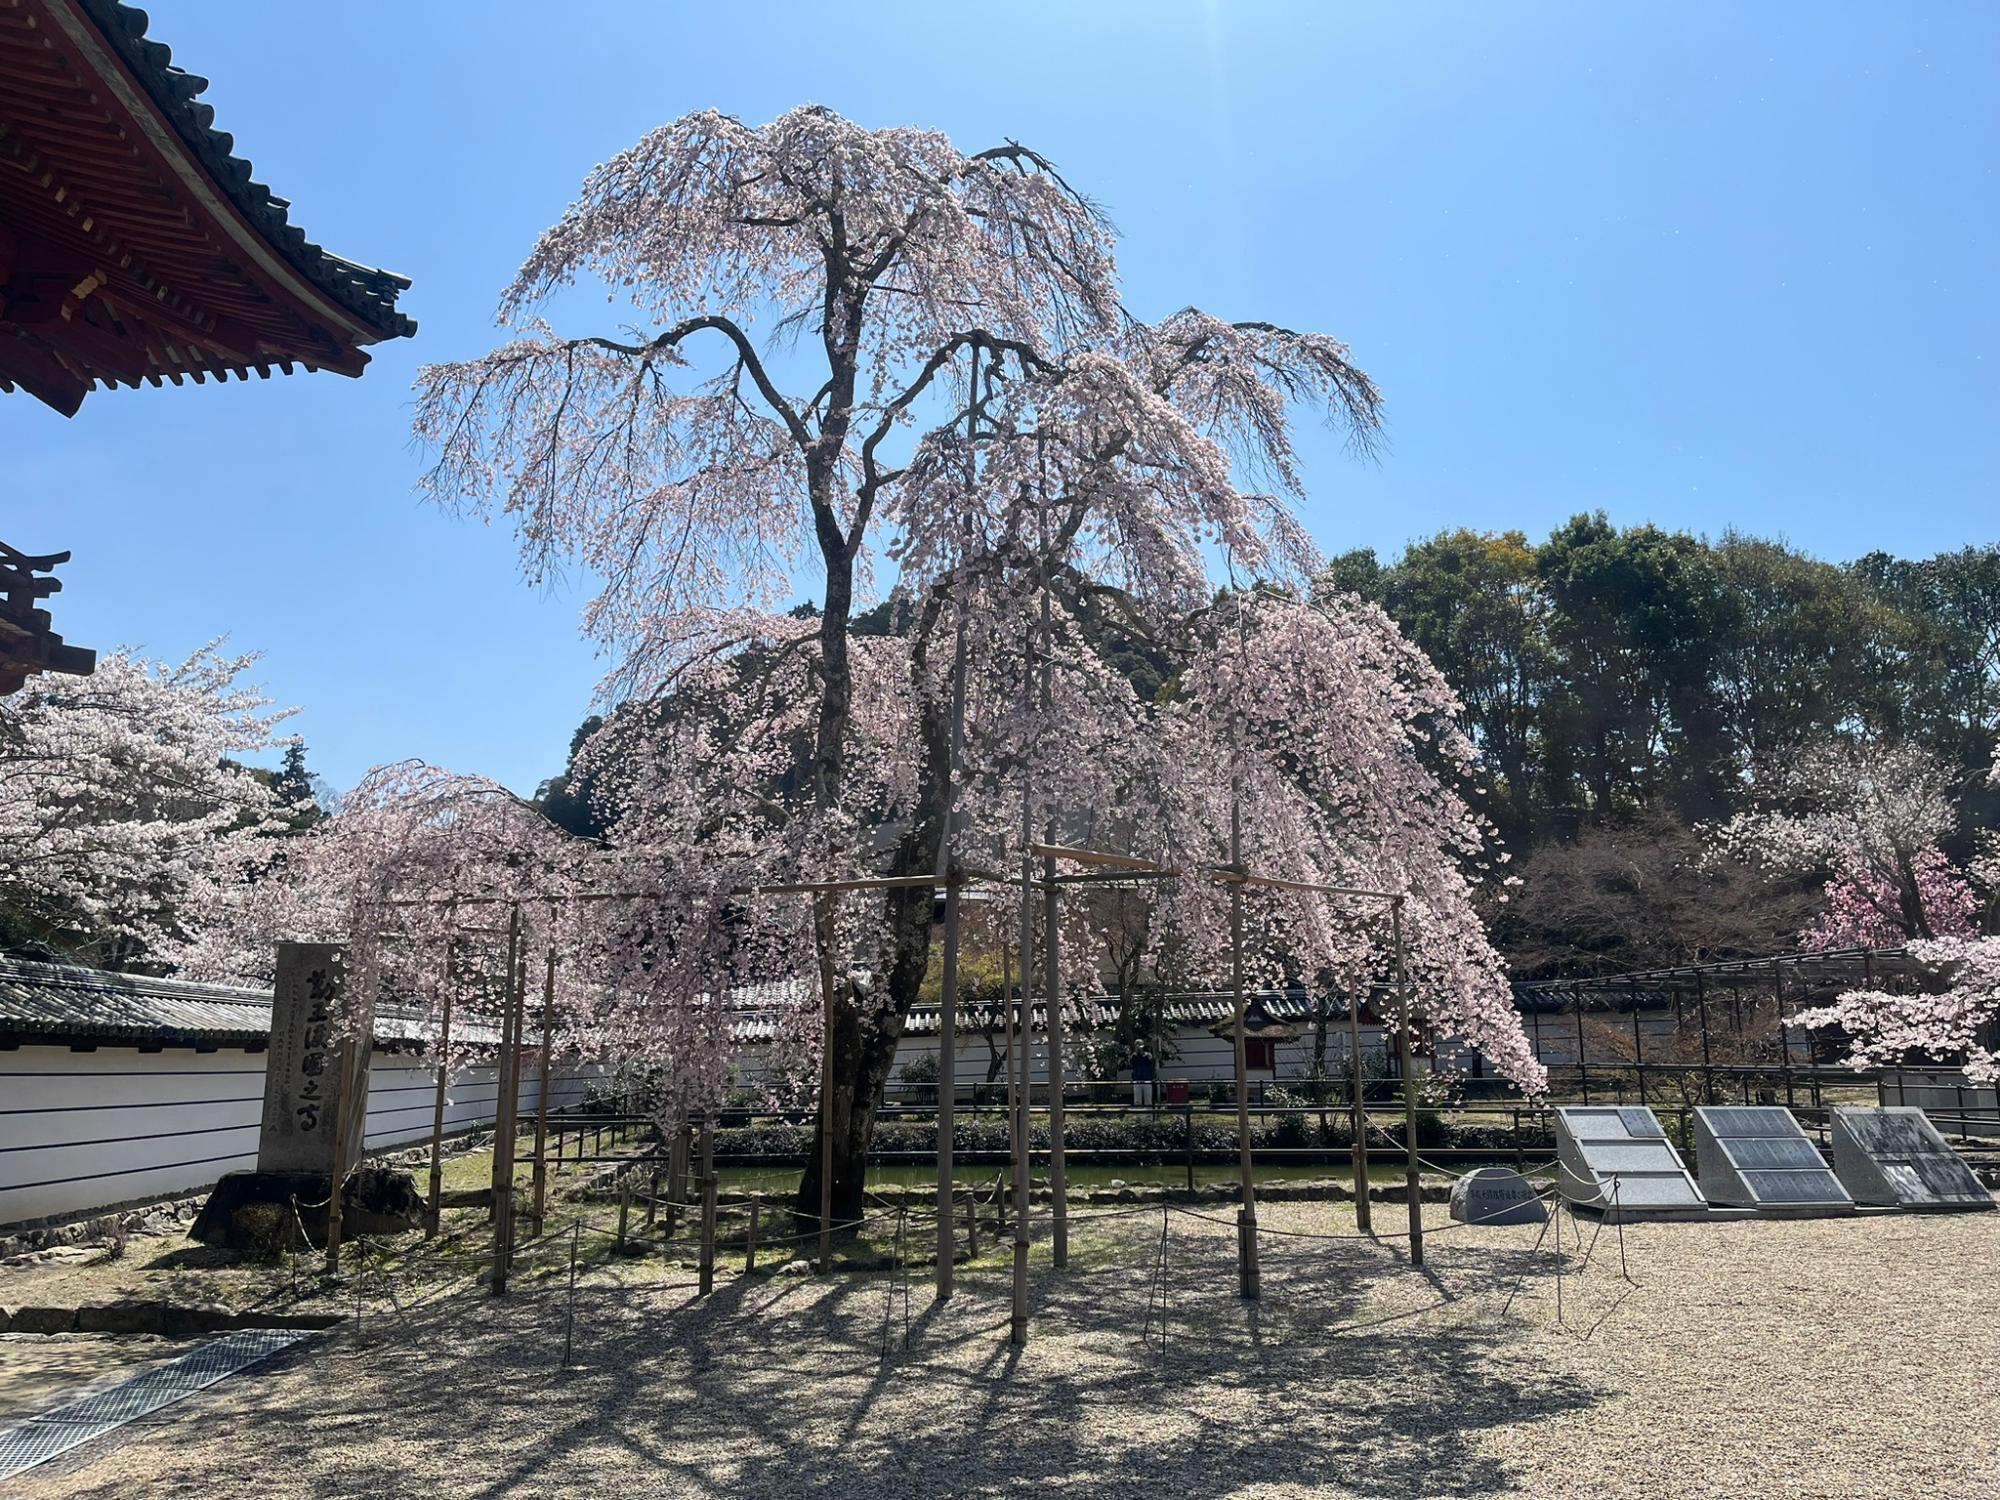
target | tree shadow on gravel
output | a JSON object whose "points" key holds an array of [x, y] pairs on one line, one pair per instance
{"points": [[1354, 1374]]}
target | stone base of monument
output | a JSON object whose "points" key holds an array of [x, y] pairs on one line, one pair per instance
{"points": [[378, 1200], [1496, 1195]]}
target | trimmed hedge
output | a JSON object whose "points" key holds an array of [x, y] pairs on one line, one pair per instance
{"points": [[1140, 1137]]}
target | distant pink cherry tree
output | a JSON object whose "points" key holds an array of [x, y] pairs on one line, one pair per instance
{"points": [[126, 801], [1871, 815]]}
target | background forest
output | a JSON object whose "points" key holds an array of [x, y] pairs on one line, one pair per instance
{"points": [[1628, 685]]}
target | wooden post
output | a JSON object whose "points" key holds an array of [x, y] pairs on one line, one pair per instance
{"points": [[1784, 1028], [707, 1204], [542, 1086], [1017, 1326], [826, 1104], [1248, 1280], [947, 868], [972, 1222], [624, 1210], [443, 1079], [503, 1123], [1052, 1003], [1051, 950], [1187, 1138], [750, 1239], [1707, 1060], [652, 1197], [1364, 1217], [947, 1086], [949, 871], [1410, 1181], [1638, 1043], [343, 1064], [1582, 1046]]}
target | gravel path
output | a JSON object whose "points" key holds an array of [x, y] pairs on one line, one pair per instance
{"points": [[1855, 1357]]}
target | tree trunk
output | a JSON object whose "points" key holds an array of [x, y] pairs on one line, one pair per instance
{"points": [[864, 1044]]}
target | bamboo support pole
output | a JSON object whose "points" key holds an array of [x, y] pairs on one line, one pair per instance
{"points": [[542, 1087], [1411, 1185], [624, 1210], [1052, 1003], [1052, 972], [438, 1103], [1023, 1024], [1364, 1217], [947, 1084], [343, 1065], [504, 1119], [826, 1103], [1248, 1280], [1053, 851], [707, 1204], [750, 1238]]}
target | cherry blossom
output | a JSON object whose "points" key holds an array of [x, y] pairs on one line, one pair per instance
{"points": [[1951, 1019], [904, 366], [125, 802]]}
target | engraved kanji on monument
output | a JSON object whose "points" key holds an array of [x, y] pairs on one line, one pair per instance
{"points": [[302, 1088]]}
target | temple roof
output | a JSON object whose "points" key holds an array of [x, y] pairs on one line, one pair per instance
{"points": [[134, 243]]}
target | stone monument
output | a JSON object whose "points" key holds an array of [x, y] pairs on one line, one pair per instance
{"points": [[305, 1104], [308, 1108], [1496, 1195]]}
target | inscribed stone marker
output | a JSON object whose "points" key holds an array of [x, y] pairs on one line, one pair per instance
{"points": [[301, 1075], [1496, 1195]]}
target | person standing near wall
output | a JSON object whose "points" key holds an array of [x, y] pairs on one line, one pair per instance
{"points": [[1143, 1073]]}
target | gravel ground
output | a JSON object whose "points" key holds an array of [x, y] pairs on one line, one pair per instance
{"points": [[1803, 1358], [38, 1371]]}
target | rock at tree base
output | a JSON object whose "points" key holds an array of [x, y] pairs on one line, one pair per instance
{"points": [[1496, 1195], [378, 1200]]}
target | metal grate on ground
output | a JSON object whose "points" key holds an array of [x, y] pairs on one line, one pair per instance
{"points": [[41, 1438]]}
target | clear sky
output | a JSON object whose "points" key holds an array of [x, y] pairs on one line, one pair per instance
{"points": [[1707, 265]]}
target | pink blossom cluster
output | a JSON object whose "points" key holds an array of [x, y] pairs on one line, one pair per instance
{"points": [[1951, 1019], [126, 802], [1863, 910]]}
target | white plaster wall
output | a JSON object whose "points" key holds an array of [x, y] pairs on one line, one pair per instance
{"points": [[86, 1130]]}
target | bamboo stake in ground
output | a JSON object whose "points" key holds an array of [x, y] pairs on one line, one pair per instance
{"points": [[1052, 1003], [542, 1086], [343, 1063], [1410, 1182], [1051, 952], [443, 1079], [1017, 1326], [947, 1085], [947, 869], [503, 1124], [826, 1100], [1363, 1212], [1246, 1216], [707, 1204]]}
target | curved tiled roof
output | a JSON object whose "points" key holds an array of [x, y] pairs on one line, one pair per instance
{"points": [[63, 1000], [66, 1003], [368, 293]]}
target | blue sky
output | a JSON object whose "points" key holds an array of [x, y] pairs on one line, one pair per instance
{"points": [[1705, 265]]}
